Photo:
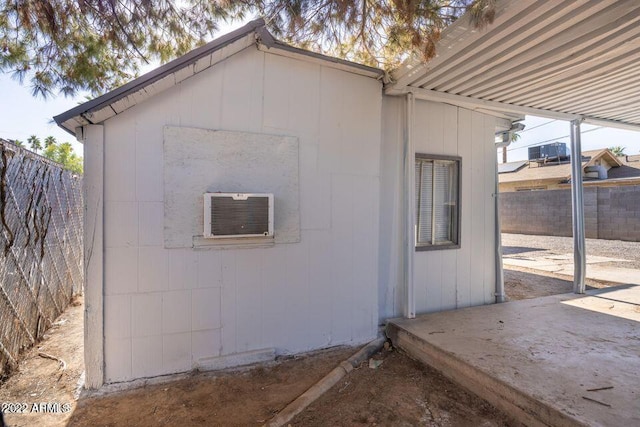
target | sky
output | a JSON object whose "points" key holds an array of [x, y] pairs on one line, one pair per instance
{"points": [[540, 131], [23, 115]]}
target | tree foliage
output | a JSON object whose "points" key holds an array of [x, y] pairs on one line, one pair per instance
{"points": [[34, 143], [95, 45], [62, 153], [618, 150], [515, 136], [49, 141], [379, 33]]}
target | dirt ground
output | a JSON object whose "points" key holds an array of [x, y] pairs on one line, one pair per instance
{"points": [[41, 380], [524, 283], [242, 398], [400, 392]]}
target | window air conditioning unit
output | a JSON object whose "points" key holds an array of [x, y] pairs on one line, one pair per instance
{"points": [[234, 215]]}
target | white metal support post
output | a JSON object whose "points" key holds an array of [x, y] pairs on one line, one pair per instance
{"points": [[500, 294], [577, 203], [410, 207]]}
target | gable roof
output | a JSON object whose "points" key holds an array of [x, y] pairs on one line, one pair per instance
{"points": [[560, 59], [630, 168], [252, 34], [557, 172]]}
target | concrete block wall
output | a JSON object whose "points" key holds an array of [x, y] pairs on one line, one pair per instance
{"points": [[536, 212], [591, 212], [621, 207], [610, 212]]}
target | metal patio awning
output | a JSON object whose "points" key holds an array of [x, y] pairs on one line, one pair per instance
{"points": [[564, 59], [574, 60]]}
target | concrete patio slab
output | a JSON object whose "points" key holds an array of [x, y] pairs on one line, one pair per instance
{"points": [[559, 360], [612, 274], [591, 259], [623, 294], [535, 264], [564, 266]]}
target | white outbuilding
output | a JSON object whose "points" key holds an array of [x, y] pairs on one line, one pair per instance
{"points": [[251, 199], [247, 116]]}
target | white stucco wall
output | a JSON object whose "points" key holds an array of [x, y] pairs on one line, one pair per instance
{"points": [[168, 310], [443, 279]]}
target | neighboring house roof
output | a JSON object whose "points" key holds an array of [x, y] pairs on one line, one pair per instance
{"points": [[557, 172], [511, 166], [630, 168], [252, 34], [562, 59]]}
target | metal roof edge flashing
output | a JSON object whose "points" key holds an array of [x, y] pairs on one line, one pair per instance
{"points": [[259, 36], [267, 42], [153, 76]]}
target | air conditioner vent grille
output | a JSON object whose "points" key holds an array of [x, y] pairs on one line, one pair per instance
{"points": [[229, 215], [239, 217]]}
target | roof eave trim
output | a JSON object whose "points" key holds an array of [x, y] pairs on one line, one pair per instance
{"points": [[604, 153], [83, 113], [157, 74], [342, 63], [266, 40]]}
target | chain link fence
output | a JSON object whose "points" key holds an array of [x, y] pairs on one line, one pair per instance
{"points": [[40, 247]]}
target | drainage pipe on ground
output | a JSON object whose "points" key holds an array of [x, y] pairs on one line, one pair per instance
{"points": [[331, 379]]}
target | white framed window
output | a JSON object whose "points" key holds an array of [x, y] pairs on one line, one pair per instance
{"points": [[437, 202]]}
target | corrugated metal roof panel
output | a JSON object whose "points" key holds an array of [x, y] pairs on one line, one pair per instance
{"points": [[565, 56]]}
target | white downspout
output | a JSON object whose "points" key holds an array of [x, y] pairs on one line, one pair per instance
{"points": [[409, 207], [500, 294]]}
